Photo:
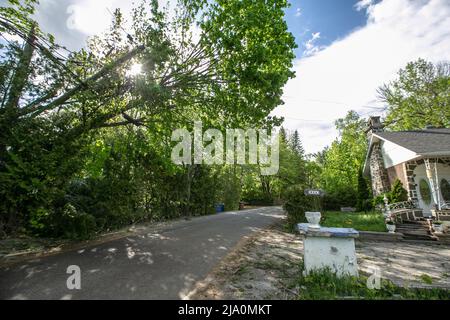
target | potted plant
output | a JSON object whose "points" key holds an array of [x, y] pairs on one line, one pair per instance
{"points": [[390, 225], [437, 226]]}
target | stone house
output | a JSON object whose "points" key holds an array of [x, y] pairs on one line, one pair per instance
{"points": [[420, 159]]}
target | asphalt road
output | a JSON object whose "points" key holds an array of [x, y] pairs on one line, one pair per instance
{"points": [[149, 265]]}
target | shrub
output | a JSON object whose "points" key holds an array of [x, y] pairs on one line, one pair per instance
{"points": [[378, 201], [296, 204], [398, 193], [38, 221], [337, 199], [77, 225], [363, 196]]}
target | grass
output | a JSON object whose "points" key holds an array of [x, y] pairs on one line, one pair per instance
{"points": [[361, 221], [325, 285], [426, 279]]}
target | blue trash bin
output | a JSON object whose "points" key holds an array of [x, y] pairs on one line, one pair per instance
{"points": [[220, 207]]}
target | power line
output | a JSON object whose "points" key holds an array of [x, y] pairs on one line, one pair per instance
{"points": [[309, 120]]}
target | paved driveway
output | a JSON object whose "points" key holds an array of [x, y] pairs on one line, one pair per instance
{"points": [[149, 265]]}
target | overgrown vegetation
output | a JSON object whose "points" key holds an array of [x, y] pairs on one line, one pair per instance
{"points": [[325, 285], [85, 146]]}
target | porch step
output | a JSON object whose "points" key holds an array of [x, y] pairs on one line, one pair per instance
{"points": [[416, 230], [406, 229], [415, 241], [415, 222], [413, 226], [419, 237]]}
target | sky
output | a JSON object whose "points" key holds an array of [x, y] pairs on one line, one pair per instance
{"points": [[346, 50]]}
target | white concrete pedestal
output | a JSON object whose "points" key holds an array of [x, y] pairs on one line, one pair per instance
{"points": [[330, 247]]}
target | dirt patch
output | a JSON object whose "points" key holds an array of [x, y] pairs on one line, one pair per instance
{"points": [[261, 267], [417, 265]]}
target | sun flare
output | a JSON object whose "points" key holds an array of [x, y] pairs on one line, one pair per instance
{"points": [[135, 70]]}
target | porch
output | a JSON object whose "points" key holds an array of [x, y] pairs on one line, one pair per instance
{"points": [[427, 181]]}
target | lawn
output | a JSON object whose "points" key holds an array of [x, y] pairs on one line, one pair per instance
{"points": [[360, 221]]}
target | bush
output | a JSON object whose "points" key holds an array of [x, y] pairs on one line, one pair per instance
{"points": [[77, 225], [364, 202], [378, 201], [296, 204], [398, 193], [38, 221], [337, 199], [364, 205]]}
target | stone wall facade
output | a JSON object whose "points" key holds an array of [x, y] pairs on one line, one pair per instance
{"points": [[378, 173], [411, 185]]}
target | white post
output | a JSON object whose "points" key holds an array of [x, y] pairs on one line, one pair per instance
{"points": [[387, 210], [430, 177], [438, 189]]}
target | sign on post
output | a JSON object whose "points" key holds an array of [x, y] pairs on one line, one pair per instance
{"points": [[314, 192]]}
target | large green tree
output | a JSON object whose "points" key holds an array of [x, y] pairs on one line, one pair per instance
{"points": [[420, 96], [343, 160], [55, 109]]}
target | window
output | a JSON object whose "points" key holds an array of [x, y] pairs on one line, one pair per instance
{"points": [[445, 189], [425, 192]]}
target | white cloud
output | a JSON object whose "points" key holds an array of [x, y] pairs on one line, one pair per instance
{"points": [[310, 46], [92, 17], [346, 74], [298, 12], [363, 4], [73, 21]]}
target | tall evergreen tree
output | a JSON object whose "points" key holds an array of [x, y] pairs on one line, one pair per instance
{"points": [[283, 135], [363, 194], [296, 144]]}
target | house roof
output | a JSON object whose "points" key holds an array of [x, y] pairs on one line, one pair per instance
{"points": [[422, 142], [426, 142]]}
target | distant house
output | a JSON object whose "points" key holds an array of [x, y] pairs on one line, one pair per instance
{"points": [[419, 158]]}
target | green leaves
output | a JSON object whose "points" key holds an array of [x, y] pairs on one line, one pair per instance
{"points": [[419, 97], [341, 163], [89, 142]]}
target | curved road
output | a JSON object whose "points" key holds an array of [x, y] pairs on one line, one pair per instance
{"points": [[148, 265]]}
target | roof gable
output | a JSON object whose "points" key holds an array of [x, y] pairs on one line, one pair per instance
{"points": [[419, 143], [422, 142]]}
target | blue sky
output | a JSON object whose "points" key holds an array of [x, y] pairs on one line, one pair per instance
{"points": [[333, 19], [347, 50]]}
